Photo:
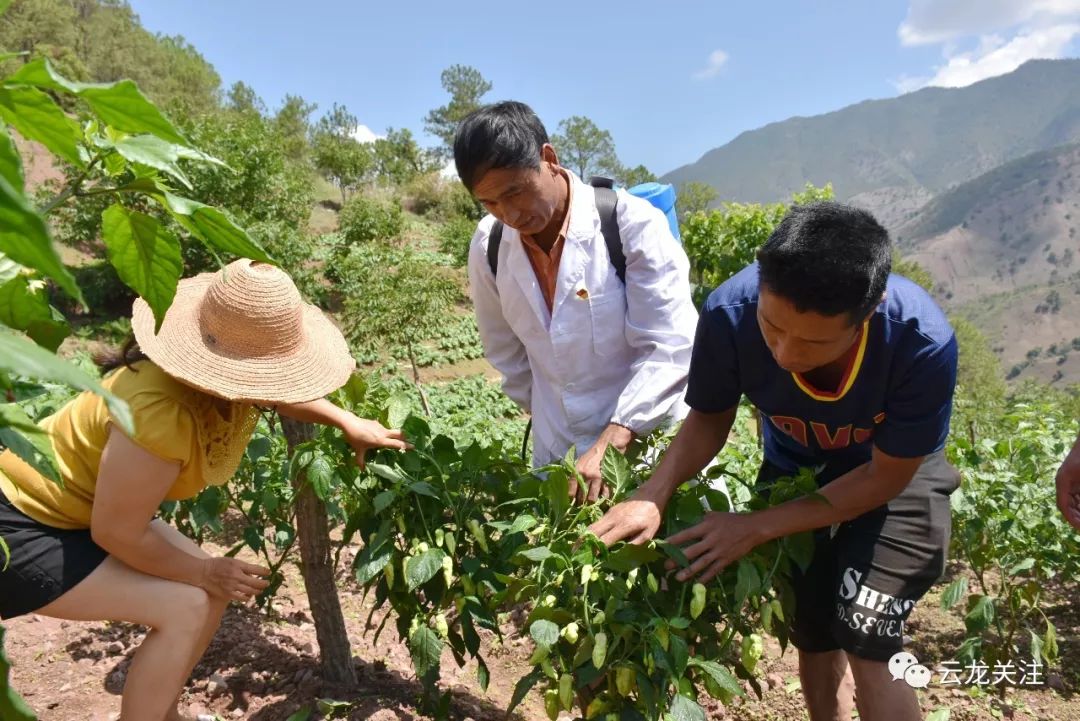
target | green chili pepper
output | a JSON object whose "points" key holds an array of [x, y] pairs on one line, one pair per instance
{"points": [[697, 603], [448, 569], [566, 691], [599, 651], [752, 648], [653, 584], [663, 637], [551, 704], [478, 533]]}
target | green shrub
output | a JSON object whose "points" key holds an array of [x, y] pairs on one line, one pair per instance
{"points": [[455, 236], [440, 198], [364, 220]]}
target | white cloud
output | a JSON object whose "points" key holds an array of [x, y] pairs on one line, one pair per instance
{"points": [[364, 134], [984, 38], [996, 57], [935, 21], [717, 60]]}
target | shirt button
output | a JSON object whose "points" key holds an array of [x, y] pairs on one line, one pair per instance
{"points": [[570, 386]]}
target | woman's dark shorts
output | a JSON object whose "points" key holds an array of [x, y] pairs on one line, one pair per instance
{"points": [[44, 563]]}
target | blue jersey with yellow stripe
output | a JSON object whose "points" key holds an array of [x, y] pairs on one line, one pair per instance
{"points": [[896, 393]]}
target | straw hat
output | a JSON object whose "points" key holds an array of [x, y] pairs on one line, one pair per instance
{"points": [[244, 333]]}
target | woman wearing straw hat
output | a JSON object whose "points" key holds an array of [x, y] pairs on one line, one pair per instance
{"points": [[92, 550]]}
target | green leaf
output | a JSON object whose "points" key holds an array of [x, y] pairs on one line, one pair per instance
{"points": [[25, 240], [398, 408], [302, 715], [8, 268], [747, 581], [12, 707], [212, 227], [10, 161], [420, 569], [3, 9], [939, 714], [125, 108], [545, 633], [685, 709], [522, 688], [1050, 644], [18, 356], [679, 652], [330, 706], [146, 256], [28, 441], [320, 474], [1036, 646], [483, 676], [425, 647], [369, 569], [1026, 565], [615, 470], [36, 117], [800, 547], [118, 104], [954, 592], [40, 73], [522, 523], [629, 557], [388, 472], [24, 306], [540, 553], [423, 488], [154, 152], [383, 500], [980, 614], [723, 677]]}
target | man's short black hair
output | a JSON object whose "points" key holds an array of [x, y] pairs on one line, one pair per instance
{"points": [[503, 135], [828, 258]]}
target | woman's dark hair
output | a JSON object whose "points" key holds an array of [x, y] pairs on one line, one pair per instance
{"points": [[504, 135], [828, 258], [112, 358]]}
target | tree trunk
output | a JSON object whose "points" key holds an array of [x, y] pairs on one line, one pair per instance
{"points": [[416, 381], [316, 567]]}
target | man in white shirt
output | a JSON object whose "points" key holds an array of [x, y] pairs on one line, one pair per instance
{"points": [[595, 347]]}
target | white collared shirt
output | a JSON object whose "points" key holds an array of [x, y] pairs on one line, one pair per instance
{"points": [[605, 353]]}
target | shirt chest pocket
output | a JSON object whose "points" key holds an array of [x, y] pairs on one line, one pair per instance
{"points": [[607, 315]]}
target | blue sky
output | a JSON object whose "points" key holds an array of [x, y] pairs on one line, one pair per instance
{"points": [[670, 81]]}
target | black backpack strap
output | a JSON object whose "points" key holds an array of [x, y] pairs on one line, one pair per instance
{"points": [[493, 246], [606, 204]]}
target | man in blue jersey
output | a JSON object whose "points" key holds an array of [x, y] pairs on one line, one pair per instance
{"points": [[853, 371]]}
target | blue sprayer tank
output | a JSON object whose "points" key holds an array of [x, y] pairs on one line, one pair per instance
{"points": [[662, 196]]}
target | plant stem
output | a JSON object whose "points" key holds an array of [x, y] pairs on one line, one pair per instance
{"points": [[67, 193]]}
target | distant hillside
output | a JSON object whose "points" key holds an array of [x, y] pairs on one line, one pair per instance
{"points": [[1004, 249], [905, 149]]}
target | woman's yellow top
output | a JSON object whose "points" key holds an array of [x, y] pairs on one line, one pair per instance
{"points": [[206, 435]]}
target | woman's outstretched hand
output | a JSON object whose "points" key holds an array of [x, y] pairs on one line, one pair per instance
{"points": [[363, 435]]}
